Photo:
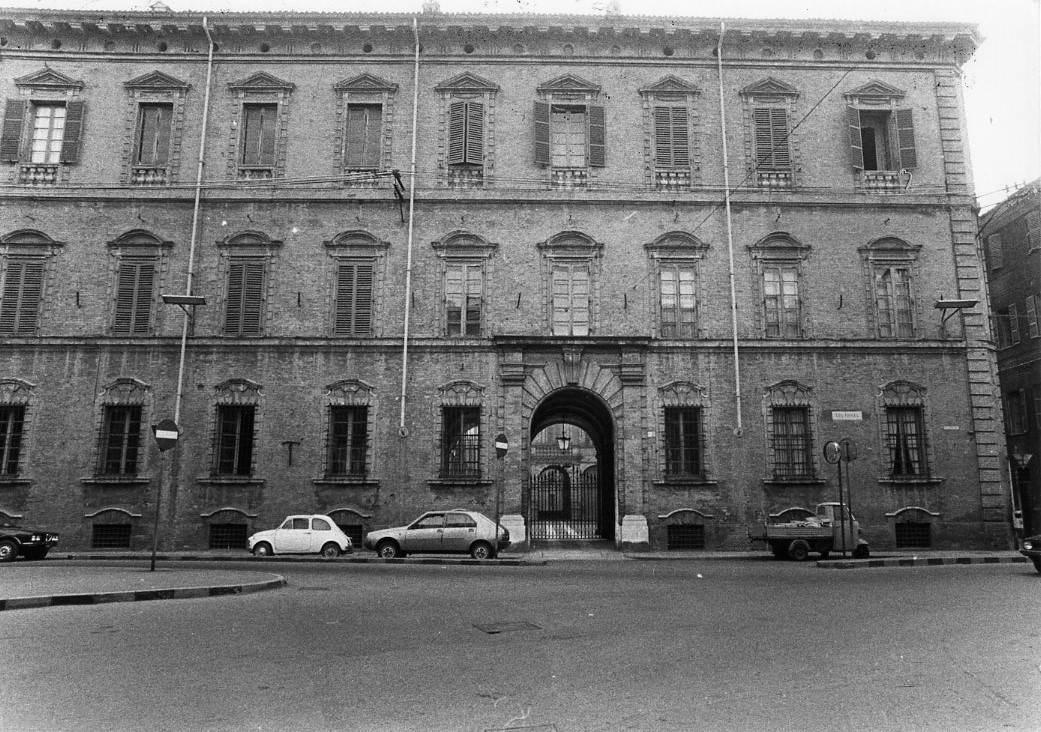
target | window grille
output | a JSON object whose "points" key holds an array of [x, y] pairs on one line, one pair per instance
{"points": [[348, 440], [913, 535], [685, 536], [790, 437], [356, 532], [110, 536], [905, 440], [228, 536], [120, 440], [12, 423], [461, 442]]}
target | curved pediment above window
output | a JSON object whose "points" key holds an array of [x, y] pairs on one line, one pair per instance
{"points": [[769, 87], [670, 87], [125, 390], [249, 240], [683, 394], [48, 79], [890, 248], [569, 85], [29, 239], [237, 391], [355, 241], [365, 83], [571, 243], [139, 239], [468, 82], [779, 245], [902, 391], [157, 81], [348, 393], [15, 391], [676, 244], [877, 91], [261, 82], [788, 392], [461, 393], [463, 244]]}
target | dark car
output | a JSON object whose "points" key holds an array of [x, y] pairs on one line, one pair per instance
{"points": [[1032, 549], [29, 543]]}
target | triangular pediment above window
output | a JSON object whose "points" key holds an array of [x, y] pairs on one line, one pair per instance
{"points": [[467, 82], [261, 81], [156, 80], [366, 83], [770, 87], [876, 89], [670, 85], [569, 83], [49, 79]]}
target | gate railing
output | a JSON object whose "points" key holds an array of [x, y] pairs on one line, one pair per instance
{"points": [[564, 506]]}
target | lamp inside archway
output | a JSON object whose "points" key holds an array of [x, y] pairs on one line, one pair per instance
{"points": [[563, 439]]}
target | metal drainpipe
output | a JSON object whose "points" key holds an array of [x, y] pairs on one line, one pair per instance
{"points": [[402, 430], [195, 221], [738, 430]]}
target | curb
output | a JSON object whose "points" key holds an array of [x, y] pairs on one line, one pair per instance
{"points": [[99, 598], [916, 562], [348, 559]]}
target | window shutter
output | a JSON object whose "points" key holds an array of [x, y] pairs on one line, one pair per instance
{"points": [[662, 137], [1033, 230], [134, 298], [680, 138], [354, 299], [252, 297], [233, 313], [779, 138], [475, 133], [763, 140], [20, 302], [363, 300], [1032, 315], [856, 142], [597, 136], [905, 133], [11, 137], [457, 133], [268, 129], [1013, 322], [561, 300], [541, 118], [70, 145]]}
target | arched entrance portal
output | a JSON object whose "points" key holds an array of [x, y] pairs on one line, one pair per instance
{"points": [[571, 468]]}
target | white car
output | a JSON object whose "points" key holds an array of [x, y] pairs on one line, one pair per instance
{"points": [[440, 532], [307, 534]]}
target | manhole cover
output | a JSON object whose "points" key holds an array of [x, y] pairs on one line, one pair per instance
{"points": [[495, 628], [313, 589], [536, 728]]}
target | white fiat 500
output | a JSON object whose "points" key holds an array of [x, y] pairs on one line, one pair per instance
{"points": [[313, 534]]}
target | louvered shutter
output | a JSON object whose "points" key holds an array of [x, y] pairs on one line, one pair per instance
{"points": [[680, 138], [779, 138], [662, 137], [363, 300], [268, 129], [252, 297], [856, 140], [126, 294], [11, 136], [1033, 230], [905, 133], [457, 118], [671, 137], [70, 143], [597, 136], [474, 133], [541, 130], [142, 312], [354, 283], [233, 313], [579, 300], [763, 140], [20, 301], [1032, 316]]}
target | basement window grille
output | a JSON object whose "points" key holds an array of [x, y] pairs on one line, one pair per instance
{"points": [[354, 531], [913, 535], [110, 536], [685, 536], [228, 536]]}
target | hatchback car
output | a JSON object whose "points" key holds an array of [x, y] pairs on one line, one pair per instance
{"points": [[440, 532], [309, 534], [29, 543], [1032, 550]]}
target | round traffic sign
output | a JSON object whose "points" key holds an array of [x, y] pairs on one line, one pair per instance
{"points": [[501, 445], [166, 434]]}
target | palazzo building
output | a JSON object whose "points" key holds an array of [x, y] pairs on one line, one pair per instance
{"points": [[346, 251]]}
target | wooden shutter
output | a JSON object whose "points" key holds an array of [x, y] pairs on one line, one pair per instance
{"points": [[475, 133], [671, 137], [457, 133], [1033, 230], [70, 142], [856, 140], [268, 131], [20, 300], [354, 281], [541, 121], [134, 298], [763, 141], [153, 134], [245, 298], [597, 136], [905, 134], [11, 136], [233, 312], [779, 138], [1032, 316]]}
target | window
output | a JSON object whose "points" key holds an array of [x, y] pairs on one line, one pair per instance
{"points": [[685, 536], [259, 123], [995, 252], [364, 137], [152, 141], [881, 135], [463, 298], [234, 453], [12, 424], [671, 138], [245, 297], [228, 536], [570, 299], [354, 298], [790, 442], [1016, 408], [348, 440], [1032, 308], [41, 129], [570, 132], [1003, 328], [110, 536], [683, 441], [1033, 231], [134, 288], [913, 534], [905, 441], [154, 129], [781, 305], [48, 132], [461, 442], [772, 152], [21, 295], [120, 440], [466, 134], [893, 305], [1013, 323], [259, 127], [678, 302]]}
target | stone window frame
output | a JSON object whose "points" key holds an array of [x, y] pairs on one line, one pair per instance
{"points": [[20, 393], [460, 393], [891, 251], [154, 87], [778, 248], [684, 394], [463, 247], [235, 392], [46, 86], [32, 245], [349, 393], [357, 246], [247, 245], [364, 89], [774, 94], [466, 87], [903, 393], [571, 247], [570, 90], [258, 88], [877, 96], [124, 391], [682, 249], [671, 91], [791, 393], [139, 245]]}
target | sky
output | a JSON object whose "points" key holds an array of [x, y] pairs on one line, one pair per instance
{"points": [[1002, 82]]}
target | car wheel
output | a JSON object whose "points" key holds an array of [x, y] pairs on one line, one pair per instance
{"points": [[263, 549], [799, 550], [387, 550], [330, 551], [8, 550], [35, 554], [861, 552], [1037, 564], [482, 550]]}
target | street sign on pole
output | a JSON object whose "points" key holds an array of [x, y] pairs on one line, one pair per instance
{"points": [[501, 445], [166, 434]]}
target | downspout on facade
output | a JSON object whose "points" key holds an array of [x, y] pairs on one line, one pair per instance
{"points": [[402, 429]]}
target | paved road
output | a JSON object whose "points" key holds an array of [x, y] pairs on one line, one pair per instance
{"points": [[700, 645]]}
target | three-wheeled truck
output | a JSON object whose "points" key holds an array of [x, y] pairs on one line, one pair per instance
{"points": [[832, 529]]}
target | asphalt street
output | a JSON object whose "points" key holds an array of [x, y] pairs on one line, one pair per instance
{"points": [[694, 645]]}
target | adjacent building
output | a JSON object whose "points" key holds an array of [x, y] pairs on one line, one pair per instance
{"points": [[667, 259]]}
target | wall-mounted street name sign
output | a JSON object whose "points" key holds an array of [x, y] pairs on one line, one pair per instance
{"points": [[847, 416]]}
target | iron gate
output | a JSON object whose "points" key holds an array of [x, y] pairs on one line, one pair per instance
{"points": [[564, 505]]}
